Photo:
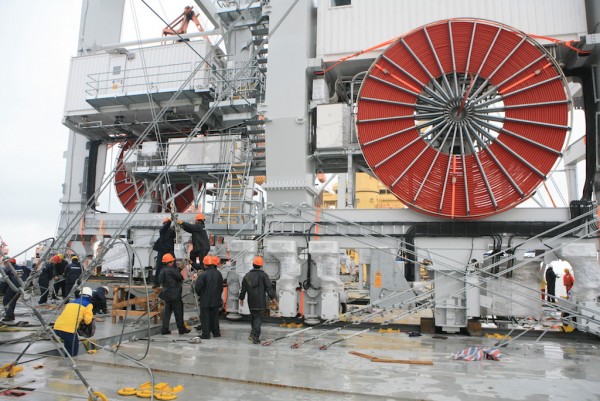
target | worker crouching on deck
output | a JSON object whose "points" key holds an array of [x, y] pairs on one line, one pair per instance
{"points": [[99, 300], [171, 281], [67, 323]]}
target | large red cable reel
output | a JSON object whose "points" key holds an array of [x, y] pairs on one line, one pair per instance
{"points": [[463, 119], [130, 189]]}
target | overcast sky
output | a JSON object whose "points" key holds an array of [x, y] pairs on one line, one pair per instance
{"points": [[39, 37]]}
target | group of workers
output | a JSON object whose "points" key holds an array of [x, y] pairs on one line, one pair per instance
{"points": [[209, 283], [550, 278], [64, 276], [81, 309], [60, 277]]}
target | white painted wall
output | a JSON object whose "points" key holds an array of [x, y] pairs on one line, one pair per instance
{"points": [[366, 23]]}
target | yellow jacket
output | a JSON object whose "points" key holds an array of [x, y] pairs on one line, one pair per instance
{"points": [[76, 311]]}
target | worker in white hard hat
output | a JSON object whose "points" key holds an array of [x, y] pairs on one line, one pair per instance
{"points": [[78, 310], [99, 300]]}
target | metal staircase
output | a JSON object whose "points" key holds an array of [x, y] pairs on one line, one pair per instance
{"points": [[244, 82], [233, 204]]}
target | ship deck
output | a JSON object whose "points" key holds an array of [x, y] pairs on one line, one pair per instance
{"points": [[555, 366]]}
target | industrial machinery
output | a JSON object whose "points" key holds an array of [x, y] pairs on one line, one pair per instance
{"points": [[463, 119]]}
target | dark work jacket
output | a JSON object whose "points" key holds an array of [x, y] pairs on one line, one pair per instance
{"points": [[46, 275], [73, 272], [22, 271], [59, 268], [209, 287], [200, 240], [99, 300], [256, 283], [551, 281], [166, 239], [171, 280]]}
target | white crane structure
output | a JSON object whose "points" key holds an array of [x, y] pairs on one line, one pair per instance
{"points": [[463, 109]]}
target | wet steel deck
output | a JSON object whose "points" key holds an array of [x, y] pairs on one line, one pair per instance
{"points": [[232, 368]]}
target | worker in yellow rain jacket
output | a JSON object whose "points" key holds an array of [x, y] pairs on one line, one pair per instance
{"points": [[78, 310]]}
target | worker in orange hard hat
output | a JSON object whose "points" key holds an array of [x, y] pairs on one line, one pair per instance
{"points": [[207, 261], [200, 242], [59, 276], [256, 283], [163, 245], [171, 281], [209, 288]]}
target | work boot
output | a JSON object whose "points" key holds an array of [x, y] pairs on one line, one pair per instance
{"points": [[185, 331], [256, 340], [8, 319], [251, 338], [164, 333]]}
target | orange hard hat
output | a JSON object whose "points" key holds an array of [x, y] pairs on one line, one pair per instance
{"points": [[200, 216], [13, 261], [216, 260], [258, 261], [167, 258], [208, 260], [55, 259]]}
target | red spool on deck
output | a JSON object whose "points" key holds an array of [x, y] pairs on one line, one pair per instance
{"points": [[463, 118], [130, 190]]}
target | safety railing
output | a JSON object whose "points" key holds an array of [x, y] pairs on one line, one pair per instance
{"points": [[146, 80], [239, 82]]}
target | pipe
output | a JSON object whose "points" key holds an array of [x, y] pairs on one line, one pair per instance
{"points": [[589, 106], [90, 188], [159, 39]]}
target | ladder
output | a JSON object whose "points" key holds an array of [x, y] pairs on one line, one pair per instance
{"points": [[233, 195]]}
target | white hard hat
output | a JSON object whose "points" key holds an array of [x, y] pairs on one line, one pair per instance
{"points": [[105, 288], [86, 291]]}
